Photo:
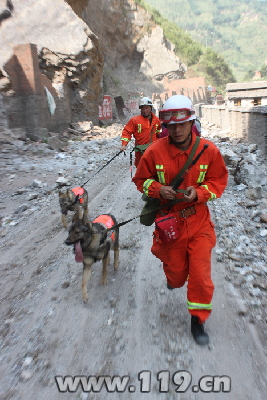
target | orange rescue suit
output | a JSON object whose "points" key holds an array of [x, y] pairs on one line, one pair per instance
{"points": [[189, 256], [143, 131]]}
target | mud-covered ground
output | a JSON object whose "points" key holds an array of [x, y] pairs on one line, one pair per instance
{"points": [[129, 327]]}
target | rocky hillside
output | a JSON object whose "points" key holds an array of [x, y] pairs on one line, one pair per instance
{"points": [[89, 48], [132, 45]]}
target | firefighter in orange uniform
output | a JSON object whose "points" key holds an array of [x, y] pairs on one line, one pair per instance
{"points": [[188, 257], [145, 128]]}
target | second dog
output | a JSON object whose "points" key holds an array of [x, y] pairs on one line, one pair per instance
{"points": [[76, 200], [92, 242]]}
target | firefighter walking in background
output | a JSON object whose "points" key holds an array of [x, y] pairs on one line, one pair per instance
{"points": [[186, 253], [145, 128]]}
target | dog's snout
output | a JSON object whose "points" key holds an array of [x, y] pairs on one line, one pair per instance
{"points": [[67, 241]]}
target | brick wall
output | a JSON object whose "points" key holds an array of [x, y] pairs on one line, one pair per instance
{"points": [[247, 123], [28, 107], [194, 88]]}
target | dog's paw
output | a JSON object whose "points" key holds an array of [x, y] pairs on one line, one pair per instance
{"points": [[85, 297], [103, 281]]}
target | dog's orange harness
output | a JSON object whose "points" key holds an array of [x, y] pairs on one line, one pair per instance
{"points": [[78, 192], [107, 221]]}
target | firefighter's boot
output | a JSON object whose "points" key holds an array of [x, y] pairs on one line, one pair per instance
{"points": [[169, 286], [198, 332]]}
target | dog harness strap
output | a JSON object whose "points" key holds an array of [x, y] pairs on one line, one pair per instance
{"points": [[78, 192]]}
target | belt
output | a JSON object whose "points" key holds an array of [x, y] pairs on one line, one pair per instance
{"points": [[186, 212]]}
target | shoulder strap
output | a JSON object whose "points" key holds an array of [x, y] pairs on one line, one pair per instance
{"points": [[188, 162], [153, 130], [143, 147]]}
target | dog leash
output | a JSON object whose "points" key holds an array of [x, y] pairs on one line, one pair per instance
{"points": [[169, 204], [103, 167], [131, 162]]}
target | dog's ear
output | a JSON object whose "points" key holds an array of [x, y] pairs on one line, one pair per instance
{"points": [[75, 217], [89, 225], [85, 220]]}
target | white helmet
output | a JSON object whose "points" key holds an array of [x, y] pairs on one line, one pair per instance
{"points": [[177, 109], [145, 101]]}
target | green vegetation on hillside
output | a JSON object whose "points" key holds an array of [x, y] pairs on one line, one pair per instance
{"points": [[216, 71], [234, 29], [263, 72], [202, 60], [251, 73]]}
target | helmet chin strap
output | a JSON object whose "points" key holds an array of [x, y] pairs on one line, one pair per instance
{"points": [[184, 141], [149, 115], [146, 116], [188, 137]]}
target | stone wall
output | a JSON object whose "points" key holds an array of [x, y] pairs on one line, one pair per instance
{"points": [[194, 88], [247, 123], [27, 105], [48, 55]]}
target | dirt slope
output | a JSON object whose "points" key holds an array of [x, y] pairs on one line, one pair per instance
{"points": [[132, 324]]}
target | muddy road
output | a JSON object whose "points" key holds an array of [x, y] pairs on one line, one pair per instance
{"points": [[133, 328]]}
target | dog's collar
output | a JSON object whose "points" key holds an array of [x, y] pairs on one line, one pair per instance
{"points": [[75, 201], [104, 237]]}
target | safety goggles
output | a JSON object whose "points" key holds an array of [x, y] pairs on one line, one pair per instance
{"points": [[180, 115]]}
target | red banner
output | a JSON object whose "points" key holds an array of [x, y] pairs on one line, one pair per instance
{"points": [[105, 109], [132, 104]]}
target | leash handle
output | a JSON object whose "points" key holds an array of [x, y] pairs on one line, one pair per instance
{"points": [[131, 163]]}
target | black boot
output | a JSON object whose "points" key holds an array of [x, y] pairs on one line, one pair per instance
{"points": [[198, 332], [169, 287]]}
